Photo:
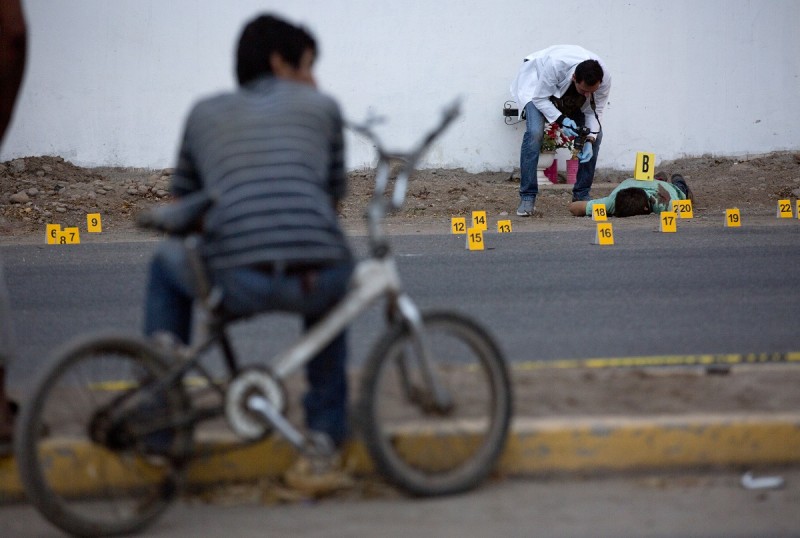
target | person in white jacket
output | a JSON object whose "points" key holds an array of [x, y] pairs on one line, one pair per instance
{"points": [[567, 85]]}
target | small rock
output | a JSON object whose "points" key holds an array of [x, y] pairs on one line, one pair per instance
{"points": [[32, 192], [61, 209], [100, 191], [143, 189], [132, 190], [18, 165], [19, 198], [162, 193], [40, 173]]}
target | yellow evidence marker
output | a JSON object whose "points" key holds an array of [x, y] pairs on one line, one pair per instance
{"points": [[668, 221], [479, 220], [52, 232], [73, 235], [93, 223], [683, 208], [458, 225], [645, 166], [69, 236], [733, 218], [798, 208], [599, 212], [504, 226], [784, 209], [604, 234], [475, 239]]}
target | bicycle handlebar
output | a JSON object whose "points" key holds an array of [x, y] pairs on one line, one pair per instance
{"points": [[378, 208], [410, 158]]}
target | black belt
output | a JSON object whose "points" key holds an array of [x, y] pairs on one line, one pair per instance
{"points": [[284, 268]]}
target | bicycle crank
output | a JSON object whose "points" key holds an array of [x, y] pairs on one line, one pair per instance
{"points": [[254, 384]]}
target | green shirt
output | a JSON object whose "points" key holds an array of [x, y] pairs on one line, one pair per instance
{"points": [[651, 187]]}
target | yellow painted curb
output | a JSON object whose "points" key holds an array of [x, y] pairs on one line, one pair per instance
{"points": [[535, 446], [622, 443]]}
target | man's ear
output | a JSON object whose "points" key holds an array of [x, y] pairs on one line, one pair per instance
{"points": [[278, 65]]}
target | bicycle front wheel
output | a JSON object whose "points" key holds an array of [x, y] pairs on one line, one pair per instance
{"points": [[80, 459], [424, 448]]}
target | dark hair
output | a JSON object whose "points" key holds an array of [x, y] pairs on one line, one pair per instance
{"points": [[589, 72], [267, 34], [632, 201]]}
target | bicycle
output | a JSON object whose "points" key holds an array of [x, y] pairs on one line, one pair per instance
{"points": [[126, 408]]}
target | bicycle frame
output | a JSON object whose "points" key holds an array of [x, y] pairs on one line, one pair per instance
{"points": [[373, 279]]}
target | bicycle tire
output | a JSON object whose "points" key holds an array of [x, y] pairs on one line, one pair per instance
{"points": [[423, 452], [79, 484]]}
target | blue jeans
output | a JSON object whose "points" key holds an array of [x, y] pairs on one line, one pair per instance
{"points": [[529, 157], [246, 291]]}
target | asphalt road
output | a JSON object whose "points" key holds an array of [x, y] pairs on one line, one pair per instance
{"points": [[544, 295]]}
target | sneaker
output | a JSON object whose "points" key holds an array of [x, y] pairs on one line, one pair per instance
{"points": [[525, 208], [581, 198], [678, 177], [318, 476]]}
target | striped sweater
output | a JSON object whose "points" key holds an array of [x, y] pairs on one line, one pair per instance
{"points": [[272, 153]]}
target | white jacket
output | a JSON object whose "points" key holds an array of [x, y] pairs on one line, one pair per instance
{"points": [[549, 72]]}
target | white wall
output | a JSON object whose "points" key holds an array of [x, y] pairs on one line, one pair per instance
{"points": [[110, 82]]}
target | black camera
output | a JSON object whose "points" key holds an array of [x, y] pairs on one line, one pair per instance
{"points": [[580, 139]]}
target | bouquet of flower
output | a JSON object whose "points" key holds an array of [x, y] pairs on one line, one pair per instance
{"points": [[554, 138]]}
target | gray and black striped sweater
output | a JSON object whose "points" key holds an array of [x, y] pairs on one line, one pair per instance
{"points": [[272, 153]]}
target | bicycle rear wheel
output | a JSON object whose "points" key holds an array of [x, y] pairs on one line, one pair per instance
{"points": [[82, 463], [428, 451]]}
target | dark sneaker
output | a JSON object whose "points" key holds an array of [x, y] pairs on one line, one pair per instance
{"points": [[525, 208], [581, 198], [679, 181]]}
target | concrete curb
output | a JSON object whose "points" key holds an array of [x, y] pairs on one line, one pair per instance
{"points": [[535, 447]]}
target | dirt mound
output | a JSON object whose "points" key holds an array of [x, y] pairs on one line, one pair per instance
{"points": [[35, 191]]}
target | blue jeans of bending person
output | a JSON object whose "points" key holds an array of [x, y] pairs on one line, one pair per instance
{"points": [[529, 157], [247, 291]]}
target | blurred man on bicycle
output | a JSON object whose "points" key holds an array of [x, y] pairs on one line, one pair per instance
{"points": [[271, 154]]}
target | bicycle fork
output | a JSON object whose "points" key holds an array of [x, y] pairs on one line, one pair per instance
{"points": [[436, 399]]}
